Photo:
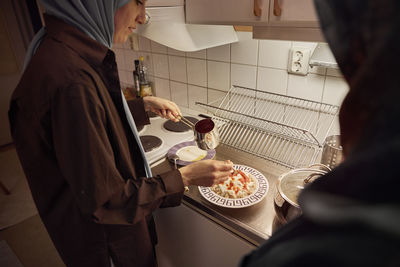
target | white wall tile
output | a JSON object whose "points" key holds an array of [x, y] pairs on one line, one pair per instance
{"points": [[197, 72], [334, 72], [128, 77], [174, 52], [310, 45], [215, 97], [308, 87], [246, 50], [335, 127], [144, 44], [158, 48], [116, 46], [130, 57], [272, 80], [127, 44], [219, 53], [179, 93], [243, 75], [244, 36], [161, 88], [197, 94], [212, 68], [274, 54], [177, 68], [122, 76], [335, 90], [218, 75], [161, 69], [201, 54], [119, 57], [151, 78]]}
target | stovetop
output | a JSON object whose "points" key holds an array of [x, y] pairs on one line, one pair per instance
{"points": [[169, 139]]}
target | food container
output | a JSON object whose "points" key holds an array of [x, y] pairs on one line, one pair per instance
{"points": [[288, 188], [206, 132], [332, 153]]}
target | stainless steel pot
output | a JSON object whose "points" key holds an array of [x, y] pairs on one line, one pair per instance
{"points": [[288, 188], [207, 135], [205, 131]]}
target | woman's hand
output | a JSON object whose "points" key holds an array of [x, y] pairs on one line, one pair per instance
{"points": [[206, 172], [162, 107]]}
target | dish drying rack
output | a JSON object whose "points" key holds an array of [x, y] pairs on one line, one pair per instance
{"points": [[287, 130]]}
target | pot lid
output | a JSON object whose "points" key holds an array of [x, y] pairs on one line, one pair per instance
{"points": [[291, 183]]}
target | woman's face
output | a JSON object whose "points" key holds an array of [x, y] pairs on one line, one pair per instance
{"points": [[126, 18]]}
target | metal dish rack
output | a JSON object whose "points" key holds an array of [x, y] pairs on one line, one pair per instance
{"points": [[287, 130]]}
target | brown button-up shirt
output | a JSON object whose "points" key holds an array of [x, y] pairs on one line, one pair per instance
{"points": [[80, 157]]}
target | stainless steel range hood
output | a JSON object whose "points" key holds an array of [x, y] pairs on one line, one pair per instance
{"points": [[167, 26]]}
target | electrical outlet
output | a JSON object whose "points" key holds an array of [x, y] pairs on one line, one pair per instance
{"points": [[299, 58]]}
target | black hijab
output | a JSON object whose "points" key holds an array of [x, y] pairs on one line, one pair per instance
{"points": [[364, 37]]}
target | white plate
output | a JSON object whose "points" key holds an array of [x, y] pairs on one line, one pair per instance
{"points": [[257, 196], [188, 152]]}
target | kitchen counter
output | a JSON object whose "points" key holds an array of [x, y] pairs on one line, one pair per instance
{"points": [[254, 224]]}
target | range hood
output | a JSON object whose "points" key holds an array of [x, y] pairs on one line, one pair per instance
{"points": [[323, 56], [167, 26]]}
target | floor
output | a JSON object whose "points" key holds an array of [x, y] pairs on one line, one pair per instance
{"points": [[27, 237]]}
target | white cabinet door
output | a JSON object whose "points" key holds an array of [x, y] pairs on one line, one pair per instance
{"points": [[229, 12], [279, 20], [297, 13], [186, 238]]}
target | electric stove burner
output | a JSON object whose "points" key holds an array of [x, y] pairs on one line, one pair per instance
{"points": [[150, 142], [179, 127]]}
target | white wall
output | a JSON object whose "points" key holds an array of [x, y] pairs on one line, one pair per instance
{"points": [[206, 75]]}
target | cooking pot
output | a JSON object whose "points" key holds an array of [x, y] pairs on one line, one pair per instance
{"points": [[205, 131], [288, 188]]}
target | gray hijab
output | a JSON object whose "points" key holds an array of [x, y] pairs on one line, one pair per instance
{"points": [[93, 17]]}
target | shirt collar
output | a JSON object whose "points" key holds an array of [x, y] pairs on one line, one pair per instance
{"points": [[88, 48]]}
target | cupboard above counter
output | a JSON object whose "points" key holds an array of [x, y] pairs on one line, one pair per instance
{"points": [[271, 19]]}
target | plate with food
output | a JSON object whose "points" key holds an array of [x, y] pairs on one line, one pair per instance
{"points": [[188, 152], [244, 187]]}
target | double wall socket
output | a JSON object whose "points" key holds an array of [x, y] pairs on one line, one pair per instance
{"points": [[299, 58]]}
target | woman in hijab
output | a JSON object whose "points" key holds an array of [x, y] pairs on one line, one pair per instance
{"points": [[78, 144], [351, 216]]}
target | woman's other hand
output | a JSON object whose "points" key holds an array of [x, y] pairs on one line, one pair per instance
{"points": [[162, 107], [206, 172]]}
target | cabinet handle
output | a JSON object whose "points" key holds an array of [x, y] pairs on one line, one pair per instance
{"points": [[277, 8], [257, 9]]}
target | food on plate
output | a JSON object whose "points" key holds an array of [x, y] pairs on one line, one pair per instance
{"points": [[238, 185], [191, 153]]}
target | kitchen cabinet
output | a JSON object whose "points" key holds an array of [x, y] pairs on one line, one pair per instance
{"points": [[295, 13], [228, 12], [271, 19], [187, 238]]}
